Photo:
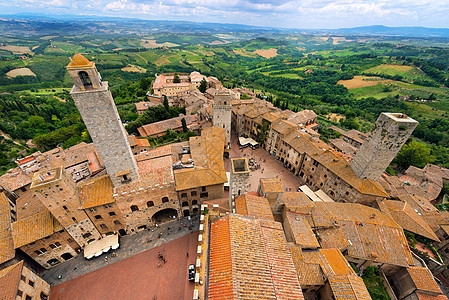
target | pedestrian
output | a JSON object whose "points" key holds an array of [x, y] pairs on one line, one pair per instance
{"points": [[187, 254]]}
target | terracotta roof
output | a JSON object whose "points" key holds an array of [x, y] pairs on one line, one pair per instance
{"points": [[296, 199], [261, 266], [14, 179], [161, 127], [423, 279], [271, 185], [96, 192], [422, 296], [253, 206], [337, 263], [143, 143], [366, 232], [28, 205], [302, 232], [33, 228], [144, 105], [272, 117], [158, 152], [9, 281], [71, 156], [347, 287], [342, 146], [303, 116], [410, 219], [6, 243], [79, 61], [308, 266], [207, 154], [351, 134]]}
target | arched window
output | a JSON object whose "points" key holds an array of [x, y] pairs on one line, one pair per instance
{"points": [[53, 262], [185, 203], [164, 199], [85, 80], [134, 208], [194, 202], [150, 203]]}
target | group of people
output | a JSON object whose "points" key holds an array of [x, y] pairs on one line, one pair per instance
{"points": [[161, 258]]}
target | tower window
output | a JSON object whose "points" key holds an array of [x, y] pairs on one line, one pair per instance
{"points": [[85, 80]]}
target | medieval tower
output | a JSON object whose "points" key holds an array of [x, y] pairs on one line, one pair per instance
{"points": [[388, 136], [58, 193], [96, 105], [222, 114], [238, 181]]}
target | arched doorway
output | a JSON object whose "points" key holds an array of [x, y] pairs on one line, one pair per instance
{"points": [[165, 215], [186, 213], [66, 256]]}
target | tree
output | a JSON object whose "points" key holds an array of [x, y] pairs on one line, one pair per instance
{"points": [[203, 85], [414, 153], [176, 78], [166, 103], [184, 125]]}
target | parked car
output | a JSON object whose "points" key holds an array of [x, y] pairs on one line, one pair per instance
{"points": [[191, 272]]}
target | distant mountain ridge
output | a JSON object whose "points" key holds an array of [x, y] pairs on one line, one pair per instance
{"points": [[41, 24]]}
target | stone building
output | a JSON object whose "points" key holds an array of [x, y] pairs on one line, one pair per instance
{"points": [[270, 188], [239, 179], [138, 145], [96, 105], [18, 282], [390, 133], [353, 137], [222, 114], [57, 192]]}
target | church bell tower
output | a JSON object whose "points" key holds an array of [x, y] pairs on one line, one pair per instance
{"points": [[96, 105]]}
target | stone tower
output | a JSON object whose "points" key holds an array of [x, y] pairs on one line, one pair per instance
{"points": [[388, 136], [94, 101], [58, 193], [222, 113], [239, 180]]}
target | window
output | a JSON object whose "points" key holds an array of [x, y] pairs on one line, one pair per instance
{"points": [[86, 235], [107, 206], [204, 195], [74, 220], [347, 193], [117, 222], [103, 226], [19, 293], [23, 278], [111, 213], [38, 252], [43, 250], [31, 283], [98, 217], [134, 208], [53, 262], [164, 199], [150, 203], [52, 246], [85, 80], [203, 188], [194, 202], [193, 193], [93, 210], [69, 240], [185, 203], [183, 195], [65, 207]]}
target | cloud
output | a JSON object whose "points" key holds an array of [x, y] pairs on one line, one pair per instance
{"points": [[278, 13]]}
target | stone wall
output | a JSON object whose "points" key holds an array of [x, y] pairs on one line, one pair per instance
{"points": [[239, 179], [222, 113], [106, 218], [32, 285], [388, 136]]}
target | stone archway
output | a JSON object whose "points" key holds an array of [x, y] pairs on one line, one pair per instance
{"points": [[165, 215]]}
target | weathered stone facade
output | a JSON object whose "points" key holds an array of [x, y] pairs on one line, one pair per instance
{"points": [[107, 218], [58, 193], [390, 133], [52, 249], [97, 108], [222, 113], [32, 286], [239, 179]]}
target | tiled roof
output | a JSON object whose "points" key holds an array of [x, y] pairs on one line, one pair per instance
{"points": [[271, 185], [296, 199], [347, 287], [422, 296], [410, 219], [71, 156], [96, 192], [28, 205], [161, 127], [303, 116], [343, 146], [158, 152], [14, 179], [366, 232], [283, 127], [9, 281], [307, 266], [33, 228], [423, 279], [79, 61], [253, 206], [302, 232], [207, 155], [336, 263], [260, 262], [6, 243]]}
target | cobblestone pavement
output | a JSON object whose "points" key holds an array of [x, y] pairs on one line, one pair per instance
{"points": [[129, 245], [140, 277], [272, 168]]}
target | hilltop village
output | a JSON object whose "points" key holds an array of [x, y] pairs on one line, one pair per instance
{"points": [[346, 215]]}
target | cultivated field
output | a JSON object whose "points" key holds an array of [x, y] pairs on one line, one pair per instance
{"points": [[267, 53], [20, 72], [150, 44], [133, 68], [361, 81], [17, 49]]}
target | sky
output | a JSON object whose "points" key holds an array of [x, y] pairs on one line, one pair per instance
{"points": [[307, 14]]}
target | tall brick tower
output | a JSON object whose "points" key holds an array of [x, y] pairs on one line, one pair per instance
{"points": [[239, 180], [94, 101], [222, 113], [388, 136]]}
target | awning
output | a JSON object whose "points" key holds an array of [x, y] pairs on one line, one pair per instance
{"points": [[101, 246]]}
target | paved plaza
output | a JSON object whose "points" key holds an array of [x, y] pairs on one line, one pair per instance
{"points": [[129, 246], [142, 276]]}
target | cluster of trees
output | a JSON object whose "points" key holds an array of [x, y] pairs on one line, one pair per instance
{"points": [[154, 114]]}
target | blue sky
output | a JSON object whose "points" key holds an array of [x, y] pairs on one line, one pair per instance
{"points": [[280, 13]]}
